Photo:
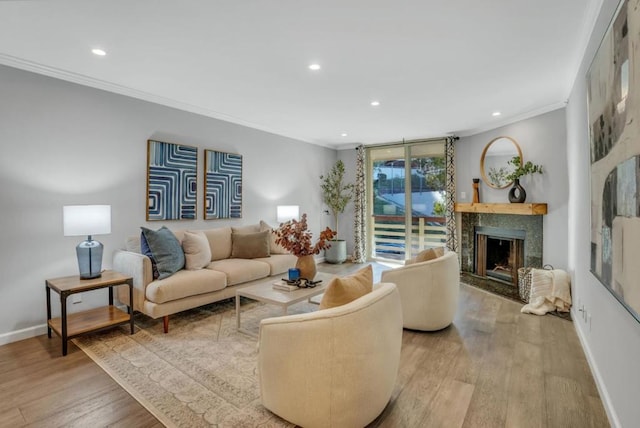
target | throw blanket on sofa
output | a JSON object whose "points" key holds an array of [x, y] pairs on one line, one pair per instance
{"points": [[550, 291]]}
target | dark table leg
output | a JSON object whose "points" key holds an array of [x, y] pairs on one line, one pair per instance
{"points": [[48, 310], [130, 307], [63, 318]]}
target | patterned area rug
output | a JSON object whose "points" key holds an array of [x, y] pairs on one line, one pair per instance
{"points": [[202, 373]]}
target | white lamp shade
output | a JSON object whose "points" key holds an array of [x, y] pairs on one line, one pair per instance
{"points": [[86, 220], [287, 212]]}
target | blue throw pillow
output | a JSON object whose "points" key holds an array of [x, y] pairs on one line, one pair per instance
{"points": [[166, 250], [144, 248]]}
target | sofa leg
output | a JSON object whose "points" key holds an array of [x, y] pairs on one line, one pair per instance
{"points": [[165, 323]]}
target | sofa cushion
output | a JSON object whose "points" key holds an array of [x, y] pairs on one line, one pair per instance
{"points": [[240, 270], [166, 250], [343, 290], [185, 283], [250, 245], [197, 253], [274, 247], [219, 242], [279, 263]]}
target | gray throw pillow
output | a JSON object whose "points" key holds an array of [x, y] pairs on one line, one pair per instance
{"points": [[166, 250]]}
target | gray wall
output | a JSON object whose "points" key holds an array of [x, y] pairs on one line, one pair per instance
{"points": [[542, 140], [65, 144], [612, 340]]}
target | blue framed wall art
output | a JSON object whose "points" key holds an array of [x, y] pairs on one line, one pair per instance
{"points": [[171, 181], [222, 185]]}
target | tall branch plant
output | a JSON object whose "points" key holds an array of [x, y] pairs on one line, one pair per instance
{"points": [[335, 192]]}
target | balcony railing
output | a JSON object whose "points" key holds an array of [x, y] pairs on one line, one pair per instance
{"points": [[389, 234]]}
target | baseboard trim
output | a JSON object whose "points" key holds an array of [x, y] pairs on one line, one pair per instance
{"points": [[602, 390], [25, 333]]}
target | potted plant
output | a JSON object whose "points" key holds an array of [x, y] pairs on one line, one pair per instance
{"points": [[336, 194], [517, 193], [295, 237]]}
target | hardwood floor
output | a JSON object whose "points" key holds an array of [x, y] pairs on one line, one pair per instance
{"points": [[494, 367]]}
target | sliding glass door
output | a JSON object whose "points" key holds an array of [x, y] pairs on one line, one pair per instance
{"points": [[406, 192]]}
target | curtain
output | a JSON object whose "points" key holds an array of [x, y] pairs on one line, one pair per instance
{"points": [[452, 235], [360, 204]]}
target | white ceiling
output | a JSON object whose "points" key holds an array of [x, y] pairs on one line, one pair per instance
{"points": [[438, 67]]}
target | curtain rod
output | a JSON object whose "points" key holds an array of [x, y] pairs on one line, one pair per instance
{"points": [[409, 142]]}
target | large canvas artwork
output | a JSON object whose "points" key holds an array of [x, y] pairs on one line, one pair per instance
{"points": [[223, 185], [172, 176], [614, 121]]}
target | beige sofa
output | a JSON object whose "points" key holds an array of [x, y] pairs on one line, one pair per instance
{"points": [[334, 367], [429, 291], [187, 289]]}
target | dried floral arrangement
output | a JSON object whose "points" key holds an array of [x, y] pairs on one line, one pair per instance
{"points": [[294, 236]]}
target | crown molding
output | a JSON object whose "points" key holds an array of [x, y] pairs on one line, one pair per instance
{"points": [[83, 80]]}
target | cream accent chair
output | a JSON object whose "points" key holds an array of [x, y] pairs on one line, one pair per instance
{"points": [[335, 367], [428, 290]]}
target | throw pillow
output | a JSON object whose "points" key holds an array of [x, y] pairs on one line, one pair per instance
{"points": [[343, 290], [166, 250], [429, 254], [274, 248], [144, 249], [250, 228], [250, 245], [197, 253]]}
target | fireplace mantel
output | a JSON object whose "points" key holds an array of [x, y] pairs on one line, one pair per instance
{"points": [[498, 208]]}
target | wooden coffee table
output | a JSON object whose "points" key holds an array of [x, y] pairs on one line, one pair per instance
{"points": [[264, 292]]}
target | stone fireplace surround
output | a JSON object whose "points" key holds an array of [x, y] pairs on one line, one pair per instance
{"points": [[530, 224]]}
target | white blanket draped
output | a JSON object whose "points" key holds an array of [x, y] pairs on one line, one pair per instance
{"points": [[550, 291]]}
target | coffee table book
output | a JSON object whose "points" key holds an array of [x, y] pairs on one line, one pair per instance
{"points": [[281, 285]]}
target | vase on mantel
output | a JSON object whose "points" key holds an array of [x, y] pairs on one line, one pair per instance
{"points": [[517, 194], [307, 266]]}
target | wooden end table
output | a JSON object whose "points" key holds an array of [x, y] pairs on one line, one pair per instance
{"points": [[72, 325]]}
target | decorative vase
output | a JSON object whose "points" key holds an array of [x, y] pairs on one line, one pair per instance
{"points": [[307, 266], [517, 193], [476, 192]]}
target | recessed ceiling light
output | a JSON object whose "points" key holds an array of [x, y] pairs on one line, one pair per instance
{"points": [[375, 103], [496, 113], [344, 134], [314, 67], [98, 52]]}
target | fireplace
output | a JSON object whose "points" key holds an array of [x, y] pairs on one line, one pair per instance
{"points": [[518, 227], [499, 253]]}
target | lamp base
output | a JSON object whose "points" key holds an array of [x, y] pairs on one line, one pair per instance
{"points": [[89, 254]]}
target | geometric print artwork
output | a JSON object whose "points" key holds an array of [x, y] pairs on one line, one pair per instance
{"points": [[223, 185], [171, 181]]}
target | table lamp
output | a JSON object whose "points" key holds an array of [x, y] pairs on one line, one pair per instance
{"points": [[88, 220], [287, 212]]}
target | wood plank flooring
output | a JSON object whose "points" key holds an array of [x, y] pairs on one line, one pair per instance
{"points": [[494, 367]]}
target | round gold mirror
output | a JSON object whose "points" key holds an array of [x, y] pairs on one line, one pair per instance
{"points": [[494, 162]]}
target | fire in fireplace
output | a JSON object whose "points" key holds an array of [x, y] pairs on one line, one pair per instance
{"points": [[499, 253]]}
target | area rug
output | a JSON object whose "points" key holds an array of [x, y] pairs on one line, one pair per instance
{"points": [[203, 373]]}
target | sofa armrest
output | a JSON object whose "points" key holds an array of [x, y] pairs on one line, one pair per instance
{"points": [[137, 266]]}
